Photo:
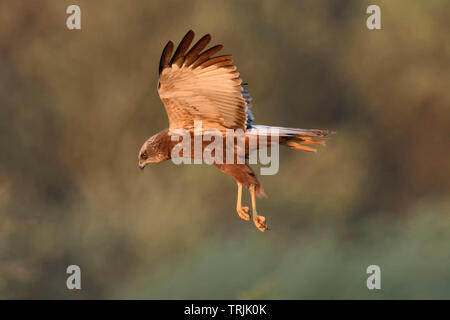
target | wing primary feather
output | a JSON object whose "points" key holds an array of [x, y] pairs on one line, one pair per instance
{"points": [[205, 55], [214, 60], [178, 57], [223, 63], [196, 49], [165, 56]]}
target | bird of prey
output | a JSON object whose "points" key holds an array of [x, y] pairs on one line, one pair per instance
{"points": [[194, 85]]}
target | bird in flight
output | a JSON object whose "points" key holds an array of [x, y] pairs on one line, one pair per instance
{"points": [[194, 85]]}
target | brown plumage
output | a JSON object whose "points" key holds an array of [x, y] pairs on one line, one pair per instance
{"points": [[195, 86]]}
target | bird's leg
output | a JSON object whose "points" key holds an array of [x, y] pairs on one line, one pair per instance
{"points": [[260, 221], [242, 211]]}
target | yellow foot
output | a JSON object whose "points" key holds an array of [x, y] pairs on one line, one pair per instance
{"points": [[242, 212], [260, 222]]}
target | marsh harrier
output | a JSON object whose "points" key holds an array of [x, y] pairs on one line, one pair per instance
{"points": [[195, 86]]}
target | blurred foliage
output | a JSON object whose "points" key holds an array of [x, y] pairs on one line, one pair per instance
{"points": [[75, 107]]}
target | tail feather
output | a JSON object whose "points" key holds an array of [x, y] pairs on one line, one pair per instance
{"points": [[297, 138], [298, 146]]}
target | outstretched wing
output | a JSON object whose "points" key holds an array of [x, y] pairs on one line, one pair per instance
{"points": [[194, 86]]}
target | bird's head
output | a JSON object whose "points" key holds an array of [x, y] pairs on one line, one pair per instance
{"points": [[143, 156], [152, 151], [146, 154]]}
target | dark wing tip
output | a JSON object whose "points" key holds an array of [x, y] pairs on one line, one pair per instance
{"points": [[204, 56], [178, 57], [195, 56], [165, 56], [191, 34]]}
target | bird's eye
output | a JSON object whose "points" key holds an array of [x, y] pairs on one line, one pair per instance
{"points": [[144, 155]]}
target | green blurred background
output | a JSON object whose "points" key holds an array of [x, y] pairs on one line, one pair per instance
{"points": [[75, 107]]}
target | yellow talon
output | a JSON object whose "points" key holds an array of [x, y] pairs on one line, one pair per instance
{"points": [[242, 211], [260, 221]]}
